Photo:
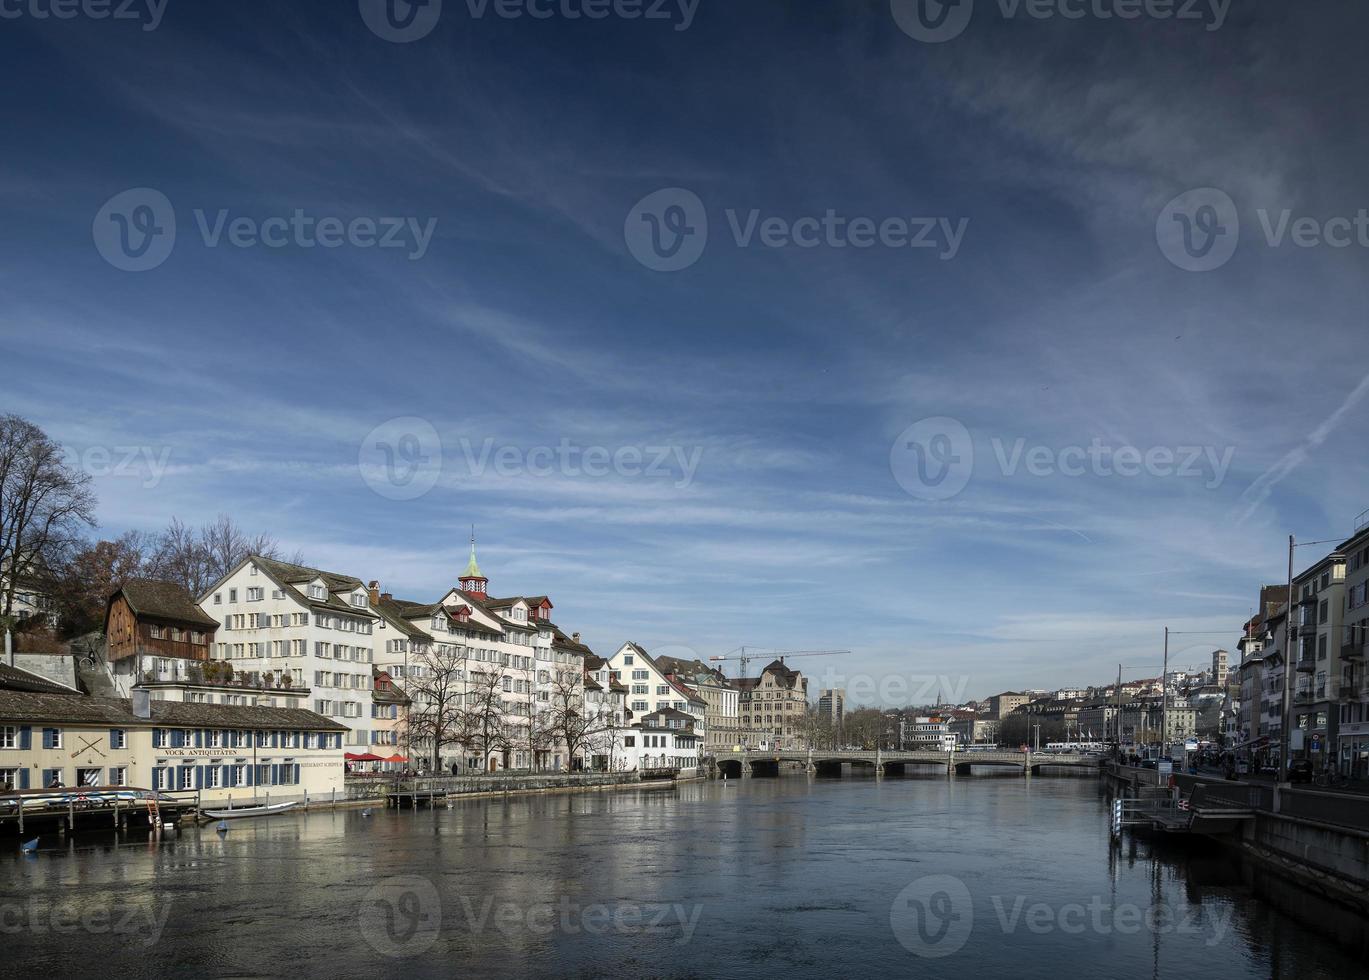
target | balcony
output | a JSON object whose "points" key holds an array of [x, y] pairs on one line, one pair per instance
{"points": [[1306, 665], [1352, 651]]}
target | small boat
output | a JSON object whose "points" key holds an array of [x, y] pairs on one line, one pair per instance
{"points": [[222, 827], [29, 846], [248, 811]]}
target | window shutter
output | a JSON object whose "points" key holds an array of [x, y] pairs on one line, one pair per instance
{"points": [[47, 740], [113, 738], [113, 776], [25, 737], [24, 778], [251, 775], [177, 738], [199, 738]]}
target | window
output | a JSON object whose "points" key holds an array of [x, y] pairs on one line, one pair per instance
{"points": [[118, 738], [52, 738], [315, 592], [9, 778], [627, 659], [218, 598], [232, 595], [629, 741], [256, 593], [9, 737]]}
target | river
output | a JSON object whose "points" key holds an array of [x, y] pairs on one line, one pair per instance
{"points": [[980, 877]]}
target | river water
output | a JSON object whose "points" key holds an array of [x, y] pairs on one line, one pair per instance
{"points": [[980, 877]]}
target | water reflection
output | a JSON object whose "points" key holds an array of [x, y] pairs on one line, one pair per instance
{"points": [[749, 878]]}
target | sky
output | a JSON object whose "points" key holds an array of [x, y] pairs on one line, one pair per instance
{"points": [[981, 348]]}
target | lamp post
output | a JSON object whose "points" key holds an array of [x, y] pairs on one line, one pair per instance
{"points": [[1286, 730]]}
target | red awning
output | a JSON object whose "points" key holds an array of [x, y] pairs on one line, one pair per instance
{"points": [[395, 758], [362, 757]]}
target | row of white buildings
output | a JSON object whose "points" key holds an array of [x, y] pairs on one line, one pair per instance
{"points": [[469, 682]]}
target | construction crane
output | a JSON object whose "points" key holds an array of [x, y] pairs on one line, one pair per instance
{"points": [[745, 658]]}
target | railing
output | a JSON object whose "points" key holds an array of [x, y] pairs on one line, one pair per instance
{"points": [[1341, 809]]}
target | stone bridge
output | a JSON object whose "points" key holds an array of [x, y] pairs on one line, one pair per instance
{"points": [[735, 765]]}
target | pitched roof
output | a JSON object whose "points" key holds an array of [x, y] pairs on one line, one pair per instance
{"points": [[651, 662], [292, 576], [163, 600], [78, 709], [692, 668], [18, 679], [395, 612]]}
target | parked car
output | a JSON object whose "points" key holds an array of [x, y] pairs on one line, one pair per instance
{"points": [[1300, 771]]}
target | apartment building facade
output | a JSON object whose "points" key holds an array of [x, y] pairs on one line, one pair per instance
{"points": [[651, 687], [1352, 708], [722, 701], [1319, 597], [310, 628], [773, 707]]}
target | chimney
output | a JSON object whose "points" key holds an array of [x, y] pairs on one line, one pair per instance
{"points": [[374, 589], [386, 596], [575, 637], [142, 703]]}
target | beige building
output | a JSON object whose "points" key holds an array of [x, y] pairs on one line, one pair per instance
{"points": [[722, 714], [1002, 705], [219, 751], [773, 707]]}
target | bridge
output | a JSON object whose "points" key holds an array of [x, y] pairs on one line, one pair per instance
{"points": [[827, 762]]}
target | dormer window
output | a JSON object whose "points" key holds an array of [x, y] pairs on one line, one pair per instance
{"points": [[359, 599], [316, 592]]}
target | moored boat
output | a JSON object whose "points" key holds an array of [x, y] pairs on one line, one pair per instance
{"points": [[235, 813]]}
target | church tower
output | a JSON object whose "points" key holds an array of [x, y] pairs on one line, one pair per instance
{"points": [[471, 580]]}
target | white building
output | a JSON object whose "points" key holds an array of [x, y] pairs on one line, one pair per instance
{"points": [[317, 625], [606, 711], [651, 689], [665, 739]]}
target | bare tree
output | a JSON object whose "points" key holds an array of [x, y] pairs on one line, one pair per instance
{"points": [[197, 558], [485, 713], [437, 717], [566, 720], [44, 504], [816, 729]]}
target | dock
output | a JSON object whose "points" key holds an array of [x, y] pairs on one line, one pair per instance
{"points": [[68, 809]]}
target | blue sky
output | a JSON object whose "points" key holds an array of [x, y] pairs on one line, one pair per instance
{"points": [[774, 385]]}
